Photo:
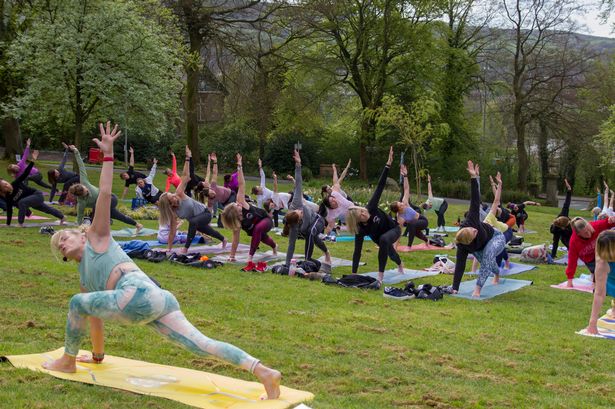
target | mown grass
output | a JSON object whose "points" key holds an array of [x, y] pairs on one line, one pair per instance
{"points": [[351, 348]]}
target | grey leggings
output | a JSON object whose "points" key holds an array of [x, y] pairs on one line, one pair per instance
{"points": [[35, 201], [137, 300], [200, 222], [312, 238], [487, 257]]}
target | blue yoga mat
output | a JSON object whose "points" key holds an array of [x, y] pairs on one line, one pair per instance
{"points": [[489, 289], [515, 268], [130, 232], [563, 261], [394, 277]]}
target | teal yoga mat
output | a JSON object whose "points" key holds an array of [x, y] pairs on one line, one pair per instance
{"points": [[130, 232], [490, 290], [394, 277]]}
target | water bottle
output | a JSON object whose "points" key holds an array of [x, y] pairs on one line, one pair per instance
{"points": [[293, 267]]}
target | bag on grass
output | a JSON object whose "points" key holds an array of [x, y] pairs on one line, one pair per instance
{"points": [[437, 241], [534, 254], [516, 241]]}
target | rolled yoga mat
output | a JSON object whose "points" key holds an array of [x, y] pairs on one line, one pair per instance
{"points": [[132, 232], [195, 388]]}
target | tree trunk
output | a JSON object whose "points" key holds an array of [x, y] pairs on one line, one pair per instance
{"points": [[12, 137], [192, 95], [543, 152], [522, 158]]}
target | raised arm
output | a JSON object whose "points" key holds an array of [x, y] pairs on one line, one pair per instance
{"points": [[373, 202], [261, 172], [241, 182], [152, 171], [297, 202], [26, 152], [404, 174], [180, 192], [566, 207], [173, 164], [100, 231], [344, 173], [275, 182], [131, 162], [497, 194], [429, 191], [214, 161], [474, 211], [208, 170], [64, 157], [606, 197], [83, 174]]}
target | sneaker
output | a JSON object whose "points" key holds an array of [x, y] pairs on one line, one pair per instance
{"points": [[397, 293], [249, 267], [261, 267]]}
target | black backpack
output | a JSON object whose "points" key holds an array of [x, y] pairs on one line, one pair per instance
{"points": [[437, 241], [516, 241], [358, 281]]}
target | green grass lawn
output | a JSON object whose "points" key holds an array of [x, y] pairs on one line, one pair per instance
{"points": [[351, 348]]}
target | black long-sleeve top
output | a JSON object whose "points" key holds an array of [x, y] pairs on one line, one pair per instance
{"points": [[559, 233], [484, 234], [133, 175], [19, 192], [65, 175], [379, 222]]}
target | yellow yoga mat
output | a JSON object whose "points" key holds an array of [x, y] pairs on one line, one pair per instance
{"points": [[194, 388]]}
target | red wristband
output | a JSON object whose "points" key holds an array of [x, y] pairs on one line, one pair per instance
{"points": [[108, 159]]}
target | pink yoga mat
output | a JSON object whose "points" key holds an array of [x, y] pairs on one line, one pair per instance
{"points": [[583, 287], [423, 246], [33, 217]]}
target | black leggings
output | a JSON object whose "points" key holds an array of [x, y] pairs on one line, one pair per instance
{"points": [[116, 214], [440, 213], [520, 218], [415, 228], [508, 235], [38, 179], [317, 228], [35, 201], [200, 222], [387, 248]]}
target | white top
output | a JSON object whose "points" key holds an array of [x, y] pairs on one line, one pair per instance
{"points": [[343, 205]]}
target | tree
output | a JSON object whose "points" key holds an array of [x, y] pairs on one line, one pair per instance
{"points": [[14, 19], [210, 29], [86, 60], [541, 37], [363, 44]]}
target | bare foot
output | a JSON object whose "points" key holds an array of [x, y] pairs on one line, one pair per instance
{"points": [[507, 265], [476, 292], [139, 227], [275, 250], [569, 284], [65, 364], [496, 279], [400, 269], [270, 378], [224, 243]]}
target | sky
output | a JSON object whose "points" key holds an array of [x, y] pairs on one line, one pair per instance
{"points": [[594, 26]]}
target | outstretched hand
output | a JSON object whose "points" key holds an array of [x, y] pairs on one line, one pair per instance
{"points": [[72, 148], [260, 163], [567, 184], [107, 137], [297, 157], [28, 141], [65, 145], [155, 161], [131, 150], [472, 169], [239, 159], [428, 178], [188, 152], [403, 170], [275, 176], [498, 178], [213, 156], [390, 160]]}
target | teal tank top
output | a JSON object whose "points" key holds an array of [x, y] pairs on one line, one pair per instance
{"points": [[95, 268], [610, 281]]}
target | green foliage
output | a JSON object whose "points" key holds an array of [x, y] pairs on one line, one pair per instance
{"points": [[605, 142], [229, 139], [279, 149], [86, 61]]}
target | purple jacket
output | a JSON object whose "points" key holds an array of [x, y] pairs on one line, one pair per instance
{"points": [[22, 163]]}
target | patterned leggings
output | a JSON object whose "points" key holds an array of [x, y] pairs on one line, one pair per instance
{"points": [[137, 300], [487, 257]]}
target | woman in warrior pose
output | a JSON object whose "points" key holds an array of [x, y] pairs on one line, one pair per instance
{"points": [[18, 169], [414, 222], [114, 288], [61, 175]]}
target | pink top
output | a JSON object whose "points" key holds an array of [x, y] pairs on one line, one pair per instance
{"points": [[22, 163], [343, 205], [222, 194], [173, 179]]}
